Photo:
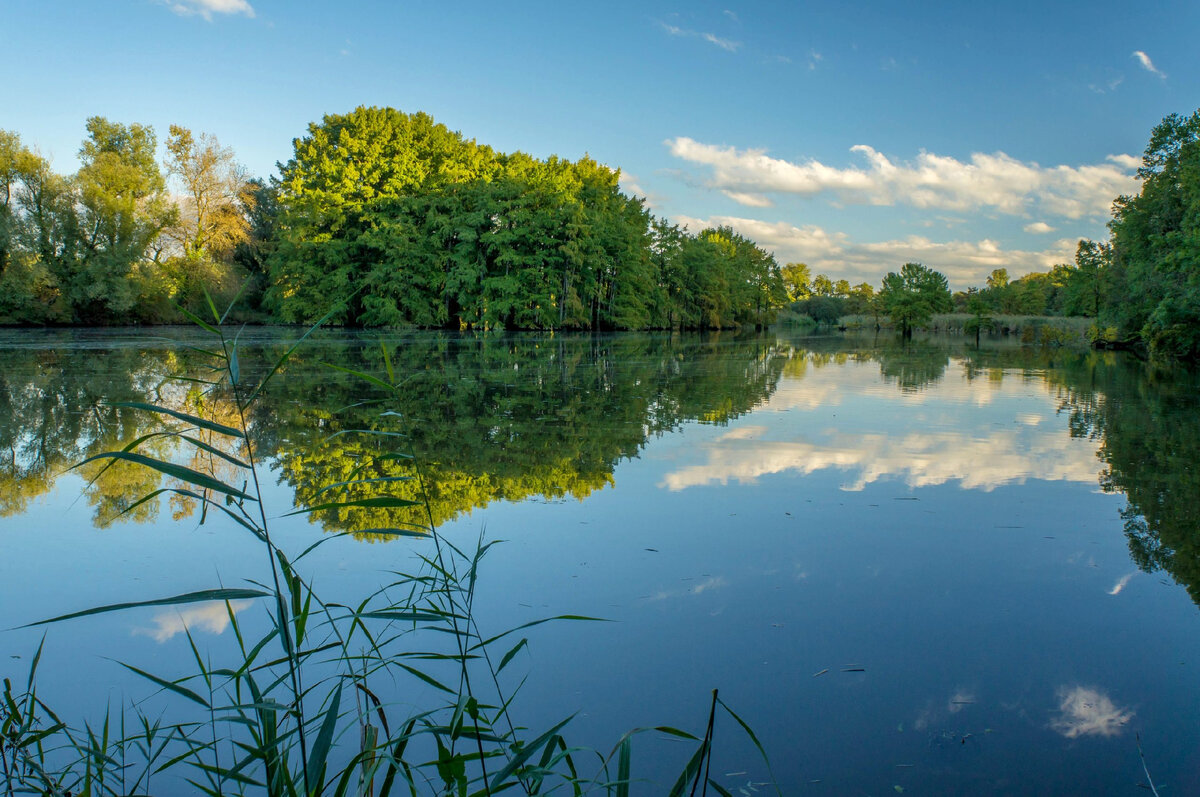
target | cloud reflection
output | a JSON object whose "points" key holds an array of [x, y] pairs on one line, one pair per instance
{"points": [[1088, 712], [921, 459], [211, 617], [1122, 582]]}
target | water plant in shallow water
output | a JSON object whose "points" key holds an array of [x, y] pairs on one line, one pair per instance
{"points": [[301, 709]]}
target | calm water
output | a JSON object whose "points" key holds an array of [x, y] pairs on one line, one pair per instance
{"points": [[922, 568]]}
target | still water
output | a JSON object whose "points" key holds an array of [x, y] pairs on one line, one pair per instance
{"points": [[921, 569]]}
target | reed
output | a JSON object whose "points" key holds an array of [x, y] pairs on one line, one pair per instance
{"points": [[302, 707]]}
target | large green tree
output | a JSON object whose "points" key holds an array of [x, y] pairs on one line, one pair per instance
{"points": [[912, 296], [123, 209], [1152, 284]]}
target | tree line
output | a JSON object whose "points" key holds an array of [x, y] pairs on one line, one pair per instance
{"points": [[385, 218]]}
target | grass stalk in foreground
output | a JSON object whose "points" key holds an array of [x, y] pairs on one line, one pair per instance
{"points": [[298, 710]]}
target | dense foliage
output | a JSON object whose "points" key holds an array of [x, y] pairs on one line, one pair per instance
{"points": [[391, 218], [1152, 280], [404, 222]]}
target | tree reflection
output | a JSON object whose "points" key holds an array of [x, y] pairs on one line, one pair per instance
{"points": [[509, 418]]}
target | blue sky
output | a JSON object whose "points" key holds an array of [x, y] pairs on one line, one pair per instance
{"points": [[851, 136]]}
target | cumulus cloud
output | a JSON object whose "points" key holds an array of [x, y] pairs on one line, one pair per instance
{"points": [[964, 263], [725, 44], [868, 450], [1121, 584], [206, 8], [918, 460], [1145, 63], [996, 181], [1039, 228], [1088, 712], [212, 616]]}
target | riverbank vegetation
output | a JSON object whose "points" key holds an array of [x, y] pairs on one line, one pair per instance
{"points": [[317, 697], [400, 221], [391, 217]]}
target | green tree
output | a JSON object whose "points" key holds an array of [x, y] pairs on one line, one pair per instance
{"points": [[1152, 281], [911, 297], [822, 285], [796, 281], [123, 210]]}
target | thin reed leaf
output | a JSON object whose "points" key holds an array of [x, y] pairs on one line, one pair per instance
{"points": [[279, 363], [236, 298], [754, 738], [315, 773], [414, 616], [175, 471], [719, 789], [182, 691], [624, 756], [525, 753], [524, 643], [197, 320], [175, 600], [195, 420], [690, 772], [533, 623], [212, 308], [376, 502], [374, 380], [387, 362], [429, 679], [379, 480]]}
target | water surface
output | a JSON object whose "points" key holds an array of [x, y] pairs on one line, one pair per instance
{"points": [[923, 567]]}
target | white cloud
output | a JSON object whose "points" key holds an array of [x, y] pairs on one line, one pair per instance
{"points": [[918, 460], [1088, 712], [965, 263], [1039, 228], [749, 200], [995, 181], [206, 8], [673, 30], [212, 616], [1145, 62], [867, 450], [724, 44], [1129, 162], [1122, 582]]}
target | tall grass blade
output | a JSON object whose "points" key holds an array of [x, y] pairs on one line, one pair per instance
{"points": [[176, 600], [175, 471], [525, 753], [315, 773], [203, 423], [624, 756], [169, 685], [377, 502], [750, 732], [279, 363]]}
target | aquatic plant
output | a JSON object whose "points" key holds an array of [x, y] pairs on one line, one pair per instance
{"points": [[303, 707]]}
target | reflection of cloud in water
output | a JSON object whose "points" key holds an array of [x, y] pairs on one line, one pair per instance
{"points": [[960, 700], [935, 715], [921, 460], [212, 617], [1088, 712], [714, 582], [1122, 582], [743, 433]]}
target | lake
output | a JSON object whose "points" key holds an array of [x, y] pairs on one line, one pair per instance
{"points": [[917, 568]]}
